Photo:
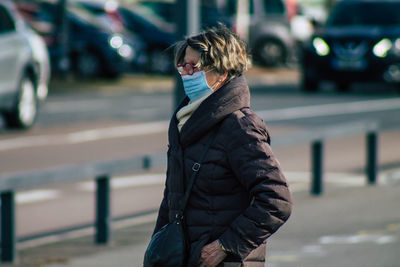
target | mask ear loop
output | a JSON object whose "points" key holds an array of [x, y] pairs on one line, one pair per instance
{"points": [[216, 83]]}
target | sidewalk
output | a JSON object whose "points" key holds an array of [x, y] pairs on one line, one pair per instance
{"points": [[347, 226]]}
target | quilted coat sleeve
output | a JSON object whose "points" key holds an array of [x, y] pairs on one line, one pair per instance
{"points": [[255, 166]]}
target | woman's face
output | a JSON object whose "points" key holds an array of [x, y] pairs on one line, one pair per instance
{"points": [[192, 56]]}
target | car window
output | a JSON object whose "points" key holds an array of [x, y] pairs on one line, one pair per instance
{"points": [[149, 16], [82, 16], [229, 7], [365, 13], [274, 7], [164, 9], [6, 22]]}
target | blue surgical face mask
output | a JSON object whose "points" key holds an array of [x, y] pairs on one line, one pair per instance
{"points": [[196, 86]]}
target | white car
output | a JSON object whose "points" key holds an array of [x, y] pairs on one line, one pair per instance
{"points": [[24, 69]]}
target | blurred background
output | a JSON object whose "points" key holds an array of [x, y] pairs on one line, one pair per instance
{"points": [[83, 81]]}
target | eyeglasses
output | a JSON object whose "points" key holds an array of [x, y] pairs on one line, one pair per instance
{"points": [[187, 69]]}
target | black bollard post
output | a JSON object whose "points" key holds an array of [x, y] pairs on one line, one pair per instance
{"points": [[7, 227], [146, 162], [372, 156], [317, 168], [102, 210]]}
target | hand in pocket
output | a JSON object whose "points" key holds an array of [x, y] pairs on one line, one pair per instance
{"points": [[211, 255]]}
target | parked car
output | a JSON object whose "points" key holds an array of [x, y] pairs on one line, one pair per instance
{"points": [[270, 39], [24, 69], [95, 46], [97, 49], [157, 33], [360, 42]]}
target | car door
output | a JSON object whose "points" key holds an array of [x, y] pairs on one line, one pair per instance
{"points": [[13, 51]]}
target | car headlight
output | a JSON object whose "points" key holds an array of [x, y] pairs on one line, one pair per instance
{"points": [[382, 48], [126, 51], [116, 41], [396, 47], [320, 46]]}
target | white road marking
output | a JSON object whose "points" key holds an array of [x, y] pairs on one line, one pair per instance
{"points": [[330, 109], [32, 196], [146, 218], [347, 179], [283, 256], [357, 239], [299, 181], [315, 250], [85, 136], [127, 181], [392, 177], [162, 126], [75, 106], [33, 141], [117, 132], [320, 250]]}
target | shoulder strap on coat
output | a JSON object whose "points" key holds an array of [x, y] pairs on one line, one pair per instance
{"points": [[196, 168]]}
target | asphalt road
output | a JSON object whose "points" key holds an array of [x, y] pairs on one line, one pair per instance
{"points": [[348, 226], [85, 122]]}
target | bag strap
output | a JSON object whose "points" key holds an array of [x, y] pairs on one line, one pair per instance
{"points": [[195, 168]]}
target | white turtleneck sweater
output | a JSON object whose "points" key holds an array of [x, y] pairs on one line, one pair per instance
{"points": [[185, 112]]}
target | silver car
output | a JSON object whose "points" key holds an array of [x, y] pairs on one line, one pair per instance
{"points": [[24, 69]]}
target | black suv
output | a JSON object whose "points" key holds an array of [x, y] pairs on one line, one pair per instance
{"points": [[359, 43]]}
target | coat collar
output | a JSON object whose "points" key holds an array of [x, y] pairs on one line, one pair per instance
{"points": [[229, 98]]}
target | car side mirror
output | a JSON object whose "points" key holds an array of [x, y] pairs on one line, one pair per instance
{"points": [[315, 23]]}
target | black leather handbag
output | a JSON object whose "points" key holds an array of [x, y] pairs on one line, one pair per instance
{"points": [[168, 247]]}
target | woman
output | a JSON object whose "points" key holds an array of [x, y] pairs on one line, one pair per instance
{"points": [[240, 196]]}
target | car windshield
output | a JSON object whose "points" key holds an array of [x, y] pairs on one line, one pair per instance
{"points": [[229, 7], [87, 18], [354, 13], [150, 16]]}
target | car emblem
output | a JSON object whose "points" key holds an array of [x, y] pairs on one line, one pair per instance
{"points": [[350, 46], [350, 50]]}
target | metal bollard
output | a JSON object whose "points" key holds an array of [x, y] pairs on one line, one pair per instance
{"points": [[146, 162], [103, 219], [7, 227], [317, 168], [372, 156]]}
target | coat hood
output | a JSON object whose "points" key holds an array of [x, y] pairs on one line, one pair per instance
{"points": [[231, 97]]}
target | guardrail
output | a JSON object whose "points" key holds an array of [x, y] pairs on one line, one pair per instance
{"points": [[103, 171]]}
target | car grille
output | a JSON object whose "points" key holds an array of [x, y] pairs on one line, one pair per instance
{"points": [[350, 49]]}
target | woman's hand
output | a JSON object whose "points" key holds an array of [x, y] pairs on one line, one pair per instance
{"points": [[211, 255]]}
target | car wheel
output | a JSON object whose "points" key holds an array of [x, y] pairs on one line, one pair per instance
{"points": [[342, 87], [114, 75], [159, 62], [270, 53], [88, 65], [397, 88], [24, 112]]}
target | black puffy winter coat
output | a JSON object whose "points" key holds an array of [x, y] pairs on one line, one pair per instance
{"points": [[240, 195]]}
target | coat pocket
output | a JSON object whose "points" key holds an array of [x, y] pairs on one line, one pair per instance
{"points": [[195, 250]]}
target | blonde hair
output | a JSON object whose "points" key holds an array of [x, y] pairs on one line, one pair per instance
{"points": [[219, 48]]}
